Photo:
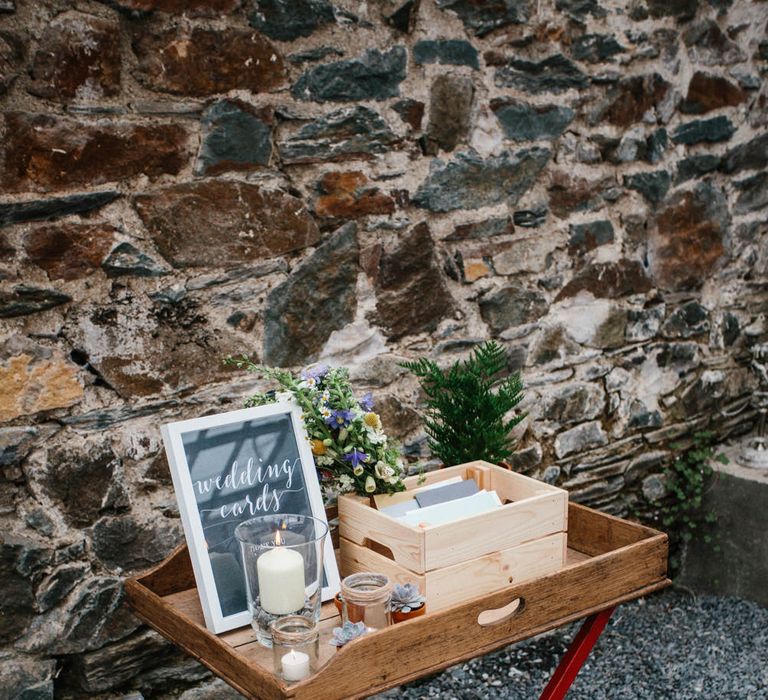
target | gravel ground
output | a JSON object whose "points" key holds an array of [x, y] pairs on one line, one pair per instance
{"points": [[671, 646]]}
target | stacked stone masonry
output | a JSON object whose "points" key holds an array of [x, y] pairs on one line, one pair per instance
{"points": [[356, 182]]}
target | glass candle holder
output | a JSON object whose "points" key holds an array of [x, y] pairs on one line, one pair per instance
{"points": [[295, 647], [283, 565], [365, 597]]}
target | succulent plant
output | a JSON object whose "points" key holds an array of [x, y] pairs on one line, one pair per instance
{"points": [[350, 631], [406, 597]]}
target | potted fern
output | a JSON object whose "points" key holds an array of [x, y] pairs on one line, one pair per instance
{"points": [[468, 404]]}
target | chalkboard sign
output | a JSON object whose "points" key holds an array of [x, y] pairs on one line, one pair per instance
{"points": [[229, 468]]}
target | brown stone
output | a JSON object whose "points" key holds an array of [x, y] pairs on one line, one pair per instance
{"points": [[687, 241], [141, 348], [78, 57], [632, 98], [411, 112], [450, 106], [397, 419], [608, 280], [43, 151], [203, 61], [69, 251], [223, 222], [11, 59], [568, 194], [346, 196], [191, 8], [474, 269], [707, 92], [411, 292], [34, 384]]}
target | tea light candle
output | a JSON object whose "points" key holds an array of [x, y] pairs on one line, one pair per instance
{"points": [[295, 666], [281, 580]]}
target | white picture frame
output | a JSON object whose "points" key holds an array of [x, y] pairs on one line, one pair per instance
{"points": [[216, 619]]}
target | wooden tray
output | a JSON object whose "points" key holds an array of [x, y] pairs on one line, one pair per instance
{"points": [[610, 561]]}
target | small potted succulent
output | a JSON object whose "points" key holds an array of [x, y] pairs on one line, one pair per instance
{"points": [[407, 602], [346, 633]]}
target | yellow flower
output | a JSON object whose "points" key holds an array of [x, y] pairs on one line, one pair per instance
{"points": [[318, 447], [372, 420]]}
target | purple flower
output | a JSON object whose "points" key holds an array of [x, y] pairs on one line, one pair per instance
{"points": [[340, 419], [316, 371], [355, 457], [366, 403]]}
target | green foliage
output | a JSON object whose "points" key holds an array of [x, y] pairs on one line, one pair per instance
{"points": [[687, 480], [467, 405]]}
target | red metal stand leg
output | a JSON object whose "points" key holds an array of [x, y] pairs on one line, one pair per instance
{"points": [[577, 654]]}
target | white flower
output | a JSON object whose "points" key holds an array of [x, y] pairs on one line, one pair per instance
{"points": [[308, 383], [346, 483], [374, 437], [370, 484], [358, 470], [325, 412], [383, 470], [284, 396]]}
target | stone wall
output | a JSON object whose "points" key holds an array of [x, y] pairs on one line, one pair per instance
{"points": [[360, 182]]}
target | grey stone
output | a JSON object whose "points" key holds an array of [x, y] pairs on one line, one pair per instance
{"points": [[551, 474], [411, 292], [640, 466], [54, 587], [708, 44], [579, 9], [86, 481], [127, 259], [580, 438], [586, 237], [652, 185], [15, 444], [404, 17], [483, 18], [123, 542], [287, 20], [215, 690], [522, 121], [450, 107], [115, 664], [641, 417], [680, 9], [553, 74], [346, 133], [526, 459], [753, 193], [456, 52], [38, 519], [572, 403], [372, 76], [696, 166], [530, 218], [752, 155], [21, 561], [711, 130], [318, 298], [471, 182], [686, 321], [236, 136], [25, 299], [26, 678], [644, 324], [55, 207], [512, 305], [595, 48], [654, 487], [678, 355], [656, 144], [316, 54]]}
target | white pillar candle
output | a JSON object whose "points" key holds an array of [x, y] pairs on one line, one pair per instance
{"points": [[281, 581], [295, 666]]}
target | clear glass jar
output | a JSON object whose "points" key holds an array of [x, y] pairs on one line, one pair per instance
{"points": [[365, 598], [295, 647], [282, 558]]}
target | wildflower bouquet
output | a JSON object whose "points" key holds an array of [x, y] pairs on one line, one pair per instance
{"points": [[351, 451]]}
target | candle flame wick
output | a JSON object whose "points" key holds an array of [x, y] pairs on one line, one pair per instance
{"points": [[278, 539]]}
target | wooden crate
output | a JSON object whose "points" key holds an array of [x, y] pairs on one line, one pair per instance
{"points": [[609, 561], [524, 538]]}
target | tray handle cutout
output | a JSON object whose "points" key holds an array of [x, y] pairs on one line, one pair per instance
{"points": [[495, 616]]}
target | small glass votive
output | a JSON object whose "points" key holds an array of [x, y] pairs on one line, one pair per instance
{"points": [[295, 647], [365, 597], [283, 563]]}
